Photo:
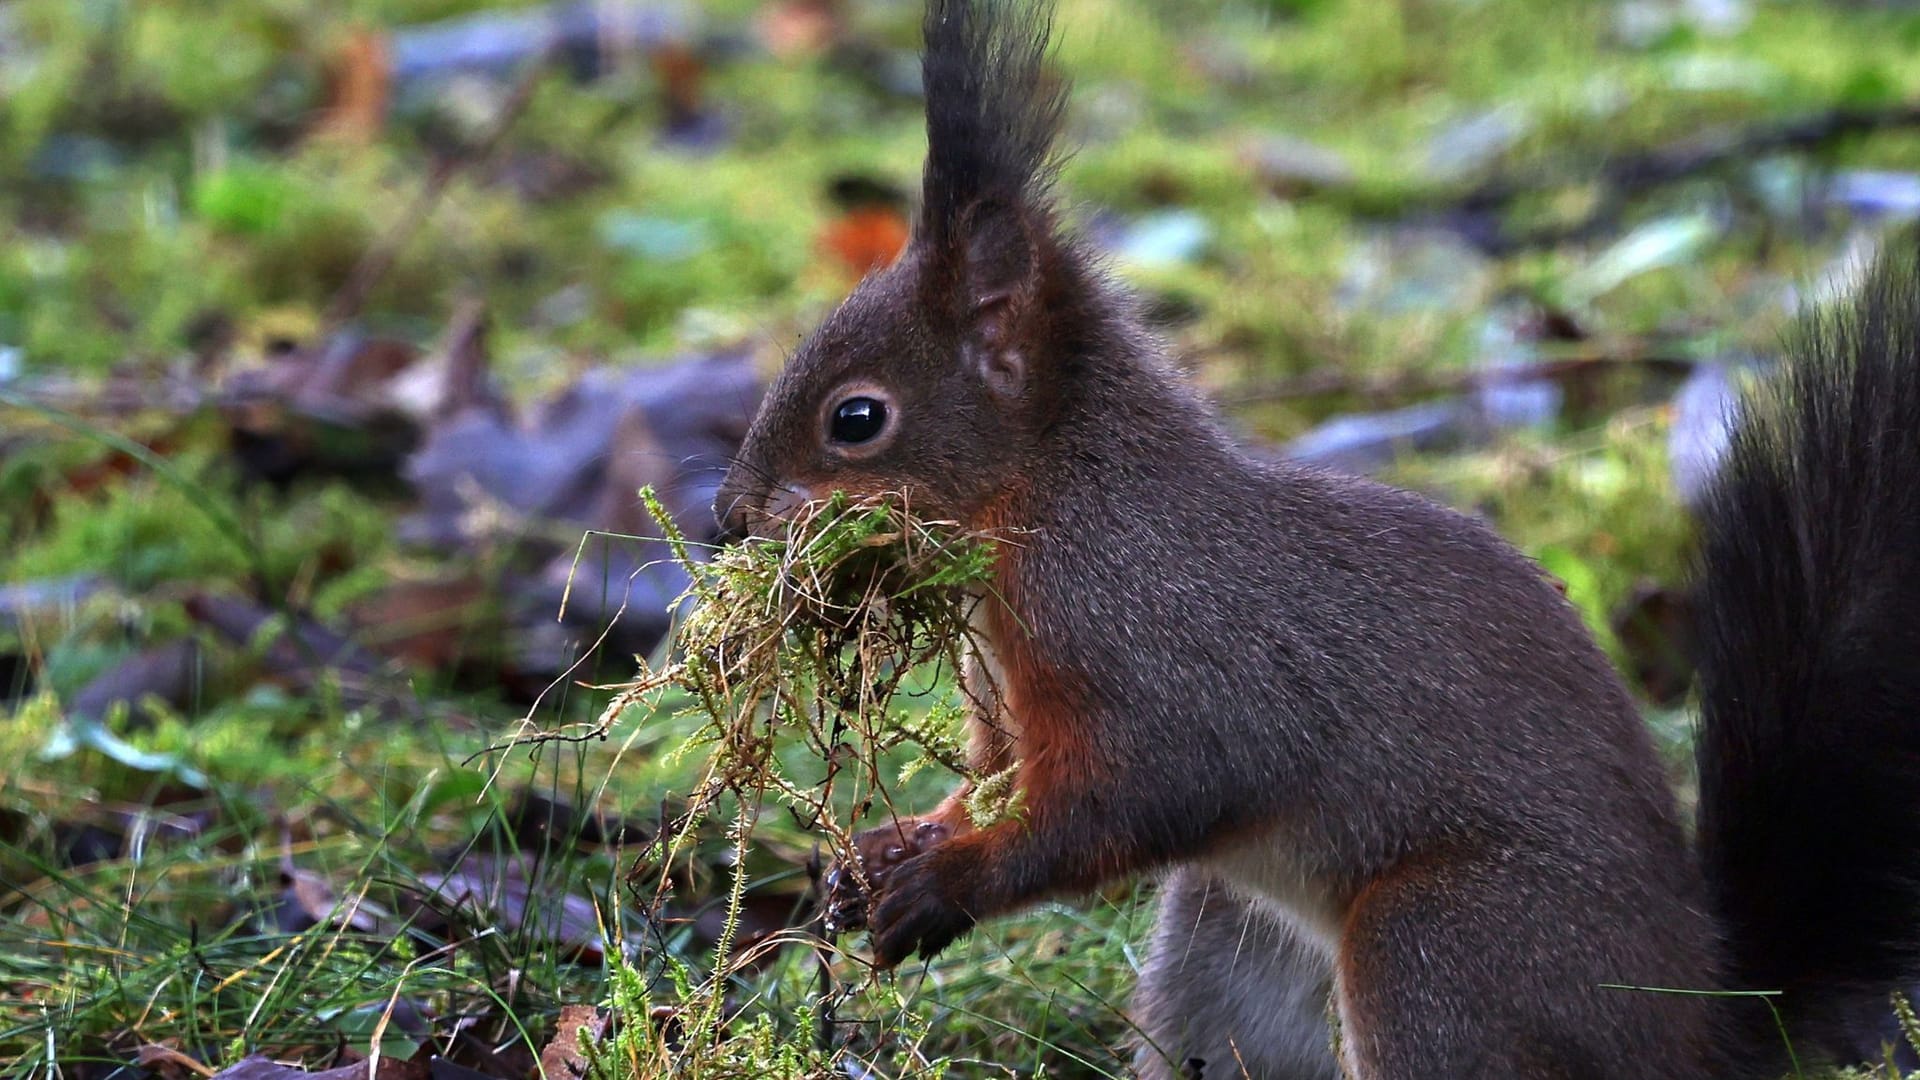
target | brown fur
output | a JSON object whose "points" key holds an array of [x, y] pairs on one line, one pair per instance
{"points": [[1363, 731]]}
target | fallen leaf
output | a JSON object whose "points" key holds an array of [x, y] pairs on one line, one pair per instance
{"points": [[262, 1067], [563, 1058], [866, 239], [307, 900], [169, 1063], [359, 86], [502, 889], [799, 27], [174, 673]]}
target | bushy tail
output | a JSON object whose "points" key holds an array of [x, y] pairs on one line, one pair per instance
{"points": [[992, 113], [1809, 752]]}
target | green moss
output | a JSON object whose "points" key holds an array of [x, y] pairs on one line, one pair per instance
{"points": [[147, 534], [154, 169]]}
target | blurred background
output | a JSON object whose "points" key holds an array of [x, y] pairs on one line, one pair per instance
{"points": [[338, 337]]}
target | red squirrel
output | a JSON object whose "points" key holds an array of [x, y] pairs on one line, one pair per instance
{"points": [[1375, 752]]}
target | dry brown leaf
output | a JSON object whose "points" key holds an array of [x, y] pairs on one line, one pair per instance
{"points": [[563, 1059], [262, 1067], [799, 27], [169, 1063], [866, 239], [359, 86]]}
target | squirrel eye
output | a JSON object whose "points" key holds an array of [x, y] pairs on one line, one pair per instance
{"points": [[858, 420]]}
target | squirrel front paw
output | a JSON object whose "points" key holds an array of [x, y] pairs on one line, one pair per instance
{"points": [[876, 853], [914, 914]]}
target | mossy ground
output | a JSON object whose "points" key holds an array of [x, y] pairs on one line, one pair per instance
{"points": [[153, 177]]}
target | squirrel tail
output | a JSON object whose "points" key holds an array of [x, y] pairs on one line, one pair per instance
{"points": [[1809, 749], [992, 112]]}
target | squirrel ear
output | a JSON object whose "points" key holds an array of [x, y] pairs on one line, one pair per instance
{"points": [[1001, 287]]}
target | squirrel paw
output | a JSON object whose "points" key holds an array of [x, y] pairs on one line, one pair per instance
{"points": [[913, 915], [878, 852]]}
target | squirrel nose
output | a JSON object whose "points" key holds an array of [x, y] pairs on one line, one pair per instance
{"points": [[730, 511], [738, 511]]}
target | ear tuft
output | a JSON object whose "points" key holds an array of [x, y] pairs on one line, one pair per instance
{"points": [[985, 232], [992, 114]]}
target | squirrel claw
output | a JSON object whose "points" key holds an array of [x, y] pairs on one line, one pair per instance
{"points": [[876, 853], [846, 902]]}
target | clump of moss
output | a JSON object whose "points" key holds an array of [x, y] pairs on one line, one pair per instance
{"points": [[810, 637], [795, 656]]}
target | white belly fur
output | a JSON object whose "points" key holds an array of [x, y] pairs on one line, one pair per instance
{"points": [[1270, 873], [984, 681]]}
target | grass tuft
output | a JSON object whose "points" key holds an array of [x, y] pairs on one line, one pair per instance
{"points": [[804, 659], [814, 636]]}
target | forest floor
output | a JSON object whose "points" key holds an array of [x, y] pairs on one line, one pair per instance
{"points": [[335, 344]]}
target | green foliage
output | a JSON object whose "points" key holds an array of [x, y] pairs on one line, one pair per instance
{"points": [[797, 646], [834, 617], [147, 534], [184, 938], [157, 167]]}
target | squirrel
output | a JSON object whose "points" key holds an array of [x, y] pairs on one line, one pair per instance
{"points": [[1374, 751]]}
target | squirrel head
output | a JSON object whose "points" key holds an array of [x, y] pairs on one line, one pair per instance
{"points": [[938, 375]]}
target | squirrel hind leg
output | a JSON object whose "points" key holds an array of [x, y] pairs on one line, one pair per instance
{"points": [[1524, 967], [1230, 990]]}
